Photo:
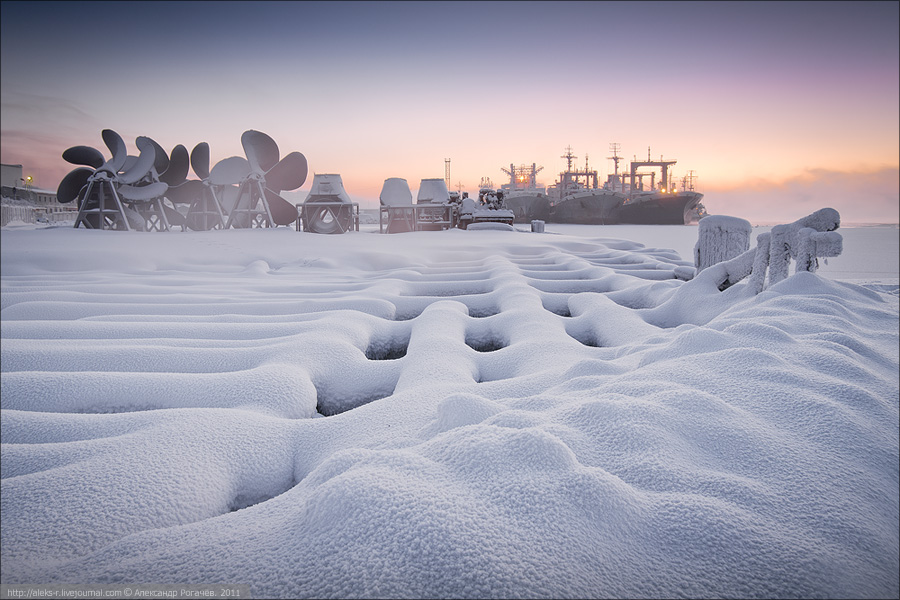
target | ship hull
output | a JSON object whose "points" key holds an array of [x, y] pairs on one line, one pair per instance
{"points": [[528, 207], [591, 208], [660, 209]]}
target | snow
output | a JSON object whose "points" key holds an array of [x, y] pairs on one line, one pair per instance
{"points": [[720, 238], [447, 414]]}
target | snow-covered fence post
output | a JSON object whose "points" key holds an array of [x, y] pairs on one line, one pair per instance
{"points": [[814, 244], [720, 238], [16, 213], [757, 279], [785, 240], [805, 240]]}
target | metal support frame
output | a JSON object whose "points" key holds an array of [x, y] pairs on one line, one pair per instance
{"points": [[207, 210], [305, 209], [103, 217], [399, 219], [153, 212], [417, 217], [255, 217]]}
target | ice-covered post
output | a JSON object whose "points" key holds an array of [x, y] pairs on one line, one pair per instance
{"points": [[785, 240], [760, 263], [813, 244], [720, 238]]}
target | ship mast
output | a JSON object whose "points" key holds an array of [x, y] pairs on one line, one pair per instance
{"points": [[570, 179], [569, 158], [614, 147]]}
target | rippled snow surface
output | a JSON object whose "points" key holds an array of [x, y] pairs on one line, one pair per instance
{"points": [[444, 414]]}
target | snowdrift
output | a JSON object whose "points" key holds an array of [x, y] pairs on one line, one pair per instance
{"points": [[440, 414]]}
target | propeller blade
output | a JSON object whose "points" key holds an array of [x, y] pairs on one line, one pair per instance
{"points": [[143, 164], [179, 164], [84, 155], [129, 162], [116, 146], [71, 185], [283, 212], [200, 160], [261, 150], [229, 171], [144, 192], [288, 174], [162, 159], [186, 192]]}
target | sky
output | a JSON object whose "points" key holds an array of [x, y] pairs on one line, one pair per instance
{"points": [[775, 106]]}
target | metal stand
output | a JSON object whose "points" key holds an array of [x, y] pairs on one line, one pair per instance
{"points": [[418, 217], [328, 217], [206, 212], [102, 208], [154, 214], [251, 216]]}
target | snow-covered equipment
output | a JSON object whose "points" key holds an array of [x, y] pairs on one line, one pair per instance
{"points": [[328, 208], [148, 194], [259, 178], [805, 240], [488, 209], [396, 207], [537, 226], [434, 211], [432, 191], [94, 184], [435, 207], [128, 192], [124, 192], [205, 210], [812, 245], [786, 242], [720, 238]]}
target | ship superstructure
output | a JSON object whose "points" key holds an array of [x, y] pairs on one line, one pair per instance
{"points": [[522, 178]]}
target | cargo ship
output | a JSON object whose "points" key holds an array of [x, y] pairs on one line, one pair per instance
{"points": [[662, 203], [577, 197]]}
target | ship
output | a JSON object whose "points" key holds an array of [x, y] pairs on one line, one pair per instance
{"points": [[577, 197], [523, 195], [662, 203]]}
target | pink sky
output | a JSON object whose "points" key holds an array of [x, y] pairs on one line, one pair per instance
{"points": [[774, 106]]}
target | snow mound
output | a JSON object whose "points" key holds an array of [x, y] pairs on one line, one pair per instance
{"points": [[440, 415]]}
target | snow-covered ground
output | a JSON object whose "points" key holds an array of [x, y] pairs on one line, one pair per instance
{"points": [[446, 414]]}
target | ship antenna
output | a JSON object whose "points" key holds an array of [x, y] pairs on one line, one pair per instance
{"points": [[569, 157], [614, 148]]}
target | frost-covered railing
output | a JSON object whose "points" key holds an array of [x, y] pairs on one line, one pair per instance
{"points": [[805, 240], [8, 214]]}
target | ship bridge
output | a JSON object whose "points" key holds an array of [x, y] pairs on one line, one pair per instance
{"points": [[662, 164]]}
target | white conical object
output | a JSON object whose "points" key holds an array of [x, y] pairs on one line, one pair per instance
{"points": [[328, 185], [395, 192], [432, 191]]}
